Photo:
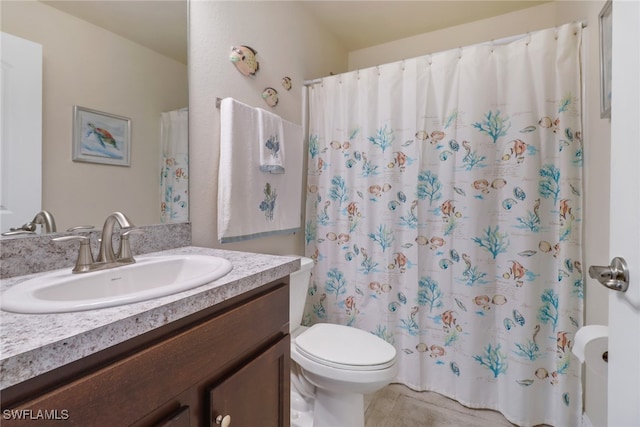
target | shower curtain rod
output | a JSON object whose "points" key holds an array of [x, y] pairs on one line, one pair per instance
{"points": [[503, 40]]}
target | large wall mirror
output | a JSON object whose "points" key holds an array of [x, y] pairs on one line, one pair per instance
{"points": [[123, 58]]}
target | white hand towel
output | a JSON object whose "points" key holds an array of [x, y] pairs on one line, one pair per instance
{"points": [[251, 203], [271, 142]]}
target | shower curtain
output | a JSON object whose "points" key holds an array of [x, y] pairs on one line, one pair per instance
{"points": [[444, 215], [174, 169]]}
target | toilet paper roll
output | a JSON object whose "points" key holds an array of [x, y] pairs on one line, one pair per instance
{"points": [[590, 344]]}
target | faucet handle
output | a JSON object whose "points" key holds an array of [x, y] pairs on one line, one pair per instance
{"points": [[27, 226], [124, 252], [15, 232], [85, 257], [132, 231], [80, 227]]}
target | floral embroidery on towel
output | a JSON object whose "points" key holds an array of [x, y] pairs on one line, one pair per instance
{"points": [[269, 202], [273, 145]]}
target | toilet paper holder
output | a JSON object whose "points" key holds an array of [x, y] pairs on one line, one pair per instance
{"points": [[614, 276]]}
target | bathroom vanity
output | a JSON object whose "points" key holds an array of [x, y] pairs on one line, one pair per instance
{"points": [[214, 354]]}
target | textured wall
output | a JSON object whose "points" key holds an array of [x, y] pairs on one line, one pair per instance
{"points": [[289, 43]]}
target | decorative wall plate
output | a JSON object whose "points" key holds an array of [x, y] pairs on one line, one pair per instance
{"points": [[244, 58], [286, 83], [270, 96]]}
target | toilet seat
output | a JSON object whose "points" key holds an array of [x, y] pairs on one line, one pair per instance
{"points": [[344, 347]]}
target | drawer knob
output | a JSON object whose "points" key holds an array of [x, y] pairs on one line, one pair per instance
{"points": [[223, 421]]}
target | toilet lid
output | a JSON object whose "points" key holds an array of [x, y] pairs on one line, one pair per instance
{"points": [[345, 347]]}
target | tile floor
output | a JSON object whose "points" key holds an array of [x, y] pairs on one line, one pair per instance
{"points": [[399, 406]]}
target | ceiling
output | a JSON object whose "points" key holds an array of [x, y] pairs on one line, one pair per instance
{"points": [[160, 25], [361, 24], [356, 24]]}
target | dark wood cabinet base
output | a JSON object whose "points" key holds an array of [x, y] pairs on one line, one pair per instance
{"points": [[232, 360]]}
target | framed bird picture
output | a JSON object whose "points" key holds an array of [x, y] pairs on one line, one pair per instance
{"points": [[100, 137]]}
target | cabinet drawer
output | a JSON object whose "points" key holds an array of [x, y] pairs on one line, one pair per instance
{"points": [[181, 418], [132, 387]]}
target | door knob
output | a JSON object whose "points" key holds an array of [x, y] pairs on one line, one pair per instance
{"points": [[224, 421], [614, 276]]}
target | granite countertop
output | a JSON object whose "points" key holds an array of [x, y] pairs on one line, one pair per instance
{"points": [[32, 344]]}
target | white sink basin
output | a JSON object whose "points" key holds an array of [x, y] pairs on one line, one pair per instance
{"points": [[150, 277]]}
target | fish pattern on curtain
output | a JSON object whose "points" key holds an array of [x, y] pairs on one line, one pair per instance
{"points": [[174, 171], [444, 215]]}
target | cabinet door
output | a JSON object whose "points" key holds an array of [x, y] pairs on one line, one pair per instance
{"points": [[257, 394]]}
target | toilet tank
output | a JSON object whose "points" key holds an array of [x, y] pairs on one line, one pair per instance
{"points": [[298, 288]]}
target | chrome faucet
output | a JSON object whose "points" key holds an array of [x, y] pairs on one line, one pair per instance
{"points": [[43, 218], [106, 257], [106, 253]]}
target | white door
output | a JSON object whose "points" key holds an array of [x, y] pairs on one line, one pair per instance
{"points": [[20, 131], [624, 308]]}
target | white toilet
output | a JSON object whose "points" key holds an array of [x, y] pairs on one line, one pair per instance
{"points": [[333, 366]]}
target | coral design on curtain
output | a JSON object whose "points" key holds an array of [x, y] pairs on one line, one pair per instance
{"points": [[444, 215], [174, 171]]}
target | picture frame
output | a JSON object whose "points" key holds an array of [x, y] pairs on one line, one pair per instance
{"points": [[100, 137], [605, 21]]}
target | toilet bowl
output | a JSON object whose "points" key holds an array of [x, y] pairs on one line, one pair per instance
{"points": [[333, 366]]}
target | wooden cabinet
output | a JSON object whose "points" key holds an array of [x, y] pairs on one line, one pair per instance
{"points": [[230, 360], [256, 392], [180, 418]]}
